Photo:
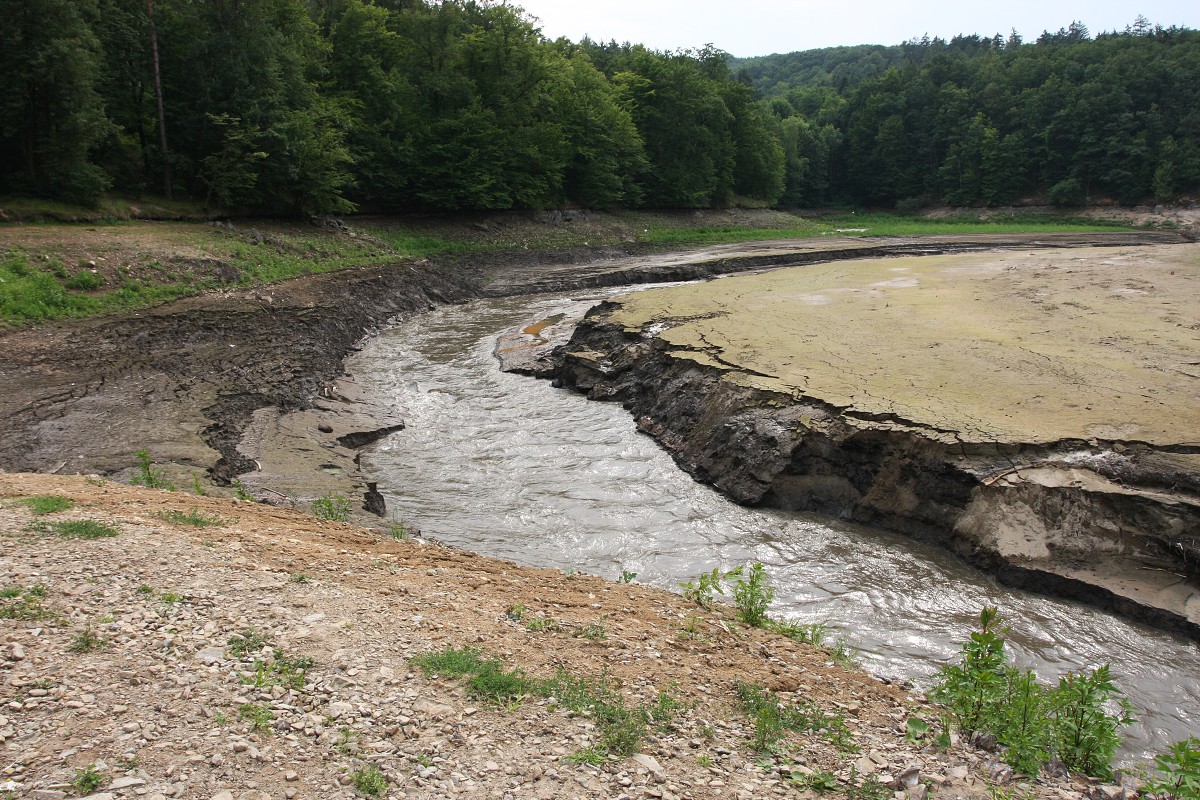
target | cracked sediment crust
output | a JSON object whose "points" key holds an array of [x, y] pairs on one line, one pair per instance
{"points": [[1037, 412]]}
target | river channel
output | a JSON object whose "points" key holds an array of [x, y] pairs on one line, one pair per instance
{"points": [[511, 467]]}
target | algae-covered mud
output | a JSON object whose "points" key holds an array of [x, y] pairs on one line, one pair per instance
{"points": [[1035, 411]]}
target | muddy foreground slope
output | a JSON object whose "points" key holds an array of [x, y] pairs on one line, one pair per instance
{"points": [[1036, 412]]}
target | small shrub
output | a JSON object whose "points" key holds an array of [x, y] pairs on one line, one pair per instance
{"points": [[399, 531], [240, 491], [332, 507], [627, 576], [753, 595], [299, 577], [594, 632], [771, 716], [88, 780], [145, 474], [813, 633], [170, 598], [701, 591], [191, 517], [369, 780], [48, 504], [1034, 723], [542, 624], [84, 281], [1180, 771]]}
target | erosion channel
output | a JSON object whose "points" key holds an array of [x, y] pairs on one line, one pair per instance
{"points": [[516, 468]]}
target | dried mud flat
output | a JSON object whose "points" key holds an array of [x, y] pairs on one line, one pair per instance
{"points": [[160, 706], [1034, 411]]}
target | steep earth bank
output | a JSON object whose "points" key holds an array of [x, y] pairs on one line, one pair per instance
{"points": [[1033, 412]]}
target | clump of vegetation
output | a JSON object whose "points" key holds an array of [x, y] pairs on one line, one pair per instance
{"points": [[246, 643], [24, 603], [146, 474], [88, 779], [48, 504], [332, 507], [1072, 722], [772, 717], [258, 715], [192, 517], [369, 780], [78, 529], [752, 594], [1179, 770], [620, 727], [85, 642], [279, 670]]}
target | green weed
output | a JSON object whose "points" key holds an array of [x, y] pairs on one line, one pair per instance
{"points": [[451, 662], [593, 631], [191, 517], [542, 624], [1180, 771], [813, 633], [332, 507], [247, 643], [627, 576], [369, 780], [170, 598], [88, 780], [258, 715], [702, 590], [772, 716], [24, 603], [146, 474], [752, 594], [79, 529], [48, 504], [85, 642], [299, 577], [1034, 723]]}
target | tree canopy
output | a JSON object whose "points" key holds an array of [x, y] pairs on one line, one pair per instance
{"points": [[323, 106]]}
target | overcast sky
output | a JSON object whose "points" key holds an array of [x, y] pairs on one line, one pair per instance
{"points": [[760, 27]]}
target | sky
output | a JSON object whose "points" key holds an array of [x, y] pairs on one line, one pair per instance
{"points": [[760, 27]]}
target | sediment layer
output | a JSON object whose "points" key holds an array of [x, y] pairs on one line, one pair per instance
{"points": [[1035, 413]]}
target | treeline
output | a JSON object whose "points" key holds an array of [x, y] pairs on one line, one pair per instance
{"points": [[319, 106], [393, 105], [979, 121]]}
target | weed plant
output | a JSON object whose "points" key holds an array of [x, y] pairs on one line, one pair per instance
{"points": [[78, 529], [85, 642], [47, 504], [772, 716], [369, 780], [1179, 769], [620, 727], [88, 780], [146, 474], [1077, 723], [258, 715], [332, 507], [752, 594], [247, 643], [24, 603], [192, 517]]}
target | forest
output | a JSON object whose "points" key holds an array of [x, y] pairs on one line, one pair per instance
{"points": [[328, 106]]}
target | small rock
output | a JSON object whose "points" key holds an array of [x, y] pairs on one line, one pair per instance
{"points": [[16, 652], [339, 709], [291, 776], [224, 794], [211, 655], [126, 783], [918, 792]]}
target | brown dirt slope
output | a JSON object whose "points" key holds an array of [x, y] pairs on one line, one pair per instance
{"points": [[165, 705]]}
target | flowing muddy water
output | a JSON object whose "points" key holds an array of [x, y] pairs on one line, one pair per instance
{"points": [[511, 467]]}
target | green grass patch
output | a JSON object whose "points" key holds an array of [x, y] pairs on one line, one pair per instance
{"points": [[48, 504], [620, 727], [771, 717], [895, 224], [192, 517], [25, 603], [78, 529]]}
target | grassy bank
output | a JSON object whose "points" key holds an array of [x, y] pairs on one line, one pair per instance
{"points": [[111, 260]]}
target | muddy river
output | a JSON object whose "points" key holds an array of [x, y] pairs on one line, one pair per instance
{"points": [[511, 467]]}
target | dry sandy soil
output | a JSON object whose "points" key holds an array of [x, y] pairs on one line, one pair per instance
{"points": [[160, 705]]}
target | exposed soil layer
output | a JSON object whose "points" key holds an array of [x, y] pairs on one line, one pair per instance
{"points": [[177, 688], [1035, 412]]}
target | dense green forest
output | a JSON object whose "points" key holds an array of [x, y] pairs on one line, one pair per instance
{"points": [[319, 106]]}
